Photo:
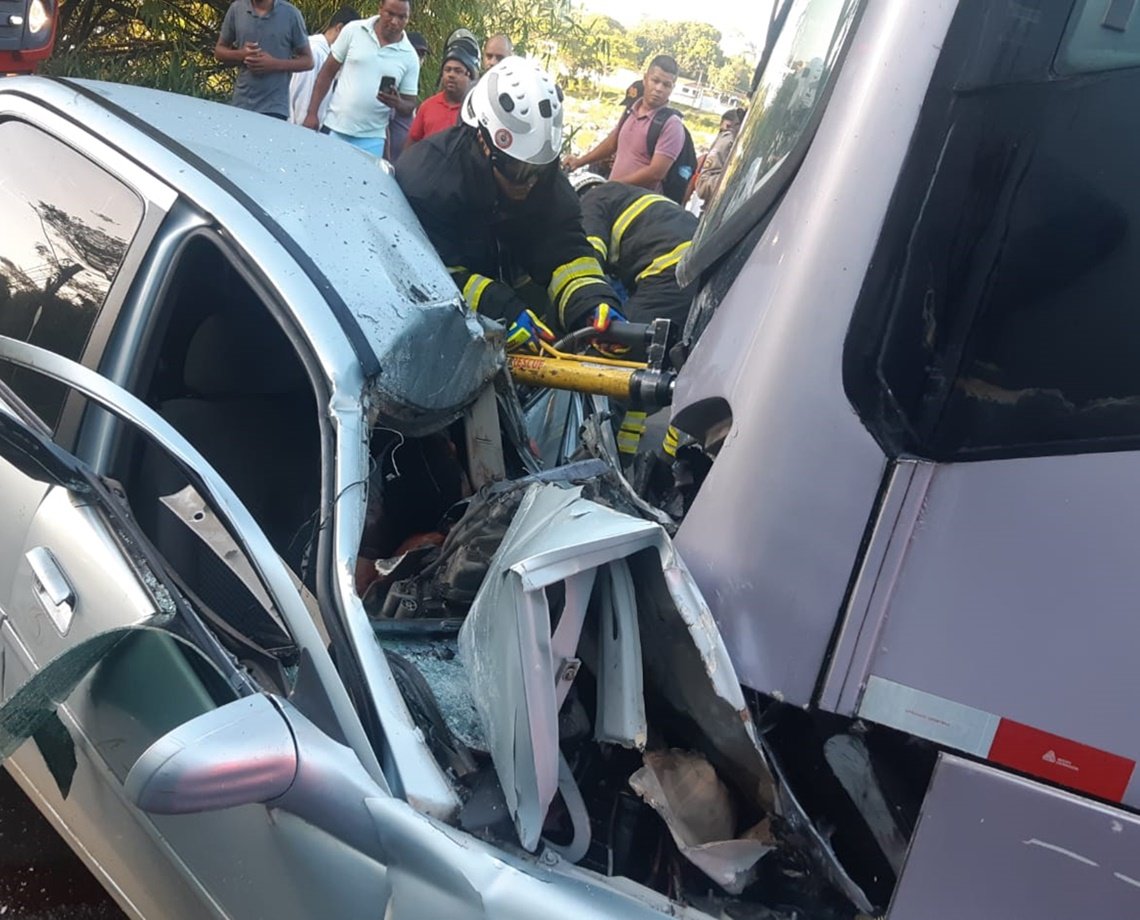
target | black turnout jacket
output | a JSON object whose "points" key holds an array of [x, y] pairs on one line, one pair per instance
{"points": [[490, 244], [638, 234]]}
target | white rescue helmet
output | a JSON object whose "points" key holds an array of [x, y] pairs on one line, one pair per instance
{"points": [[519, 109]]}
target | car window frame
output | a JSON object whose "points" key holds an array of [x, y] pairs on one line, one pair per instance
{"points": [[268, 566], [1066, 64]]}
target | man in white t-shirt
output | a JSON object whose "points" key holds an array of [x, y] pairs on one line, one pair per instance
{"points": [[301, 85], [377, 72]]}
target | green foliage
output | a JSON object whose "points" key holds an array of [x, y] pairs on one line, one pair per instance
{"points": [[168, 44], [733, 76], [695, 45], [599, 45]]}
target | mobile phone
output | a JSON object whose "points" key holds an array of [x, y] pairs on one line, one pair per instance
{"points": [[387, 84]]}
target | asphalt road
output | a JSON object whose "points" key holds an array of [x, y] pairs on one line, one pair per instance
{"points": [[40, 878]]}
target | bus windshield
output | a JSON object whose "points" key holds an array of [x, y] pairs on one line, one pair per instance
{"points": [[784, 110]]}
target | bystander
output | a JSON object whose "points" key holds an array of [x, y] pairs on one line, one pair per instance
{"points": [[379, 73], [441, 111], [495, 49], [266, 41], [635, 160], [714, 162], [301, 85]]}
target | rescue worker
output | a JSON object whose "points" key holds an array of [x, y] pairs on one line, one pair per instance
{"points": [[497, 208], [639, 237]]}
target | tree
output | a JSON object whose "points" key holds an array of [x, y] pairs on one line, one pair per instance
{"points": [[695, 45], [168, 44], [733, 76], [598, 45]]}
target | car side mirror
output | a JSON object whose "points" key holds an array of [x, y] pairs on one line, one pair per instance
{"points": [[259, 750], [239, 754]]}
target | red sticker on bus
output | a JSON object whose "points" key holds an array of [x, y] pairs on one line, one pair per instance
{"points": [[1059, 760]]}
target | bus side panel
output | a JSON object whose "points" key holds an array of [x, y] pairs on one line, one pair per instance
{"points": [[993, 845]]}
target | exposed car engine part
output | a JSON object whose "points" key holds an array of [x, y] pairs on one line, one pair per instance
{"points": [[411, 485]]}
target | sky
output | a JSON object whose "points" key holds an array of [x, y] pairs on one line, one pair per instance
{"points": [[739, 21]]}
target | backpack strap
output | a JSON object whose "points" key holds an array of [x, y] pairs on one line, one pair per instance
{"points": [[624, 118], [661, 116]]}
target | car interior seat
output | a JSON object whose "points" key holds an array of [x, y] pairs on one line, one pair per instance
{"points": [[246, 404]]}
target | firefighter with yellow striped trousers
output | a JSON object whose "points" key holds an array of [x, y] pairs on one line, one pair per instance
{"points": [[499, 211]]}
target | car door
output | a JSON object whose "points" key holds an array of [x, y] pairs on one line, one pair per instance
{"points": [[85, 577]]}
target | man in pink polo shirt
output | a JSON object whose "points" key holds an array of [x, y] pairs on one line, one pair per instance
{"points": [[627, 142]]}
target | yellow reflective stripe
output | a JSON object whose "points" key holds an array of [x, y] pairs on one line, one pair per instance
{"points": [[672, 439], [474, 288], [572, 288], [634, 420], [631, 430], [578, 268], [661, 263], [599, 244], [456, 269], [627, 217], [628, 443]]}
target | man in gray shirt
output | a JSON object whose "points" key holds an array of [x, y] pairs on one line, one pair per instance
{"points": [[267, 41]]}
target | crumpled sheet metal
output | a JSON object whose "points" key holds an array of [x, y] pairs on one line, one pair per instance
{"points": [[505, 642], [505, 646], [684, 789], [688, 663]]}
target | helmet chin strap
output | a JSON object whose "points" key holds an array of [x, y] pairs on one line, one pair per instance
{"points": [[488, 147]]}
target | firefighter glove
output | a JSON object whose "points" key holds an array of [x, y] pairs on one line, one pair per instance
{"points": [[602, 317], [526, 332]]}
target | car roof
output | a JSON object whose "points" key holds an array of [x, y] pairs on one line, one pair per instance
{"points": [[345, 214]]}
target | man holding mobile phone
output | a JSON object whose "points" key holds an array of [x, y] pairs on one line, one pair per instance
{"points": [[377, 72]]}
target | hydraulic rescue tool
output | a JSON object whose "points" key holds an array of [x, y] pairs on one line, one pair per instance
{"points": [[642, 384]]}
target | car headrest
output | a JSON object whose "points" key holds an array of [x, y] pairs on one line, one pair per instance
{"points": [[231, 355]]}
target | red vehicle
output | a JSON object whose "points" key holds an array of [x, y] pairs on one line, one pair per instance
{"points": [[27, 33]]}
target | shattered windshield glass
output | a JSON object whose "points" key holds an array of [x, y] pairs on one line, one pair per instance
{"points": [[783, 112]]}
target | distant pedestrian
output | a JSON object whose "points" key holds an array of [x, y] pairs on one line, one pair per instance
{"points": [[399, 124], [495, 49], [266, 41], [379, 73], [441, 111], [301, 85], [712, 168]]}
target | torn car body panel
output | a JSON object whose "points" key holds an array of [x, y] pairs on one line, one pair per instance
{"points": [[518, 666]]}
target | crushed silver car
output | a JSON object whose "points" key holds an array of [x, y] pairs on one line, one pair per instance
{"points": [[294, 619]]}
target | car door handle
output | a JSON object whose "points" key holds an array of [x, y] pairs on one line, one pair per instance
{"points": [[53, 590]]}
